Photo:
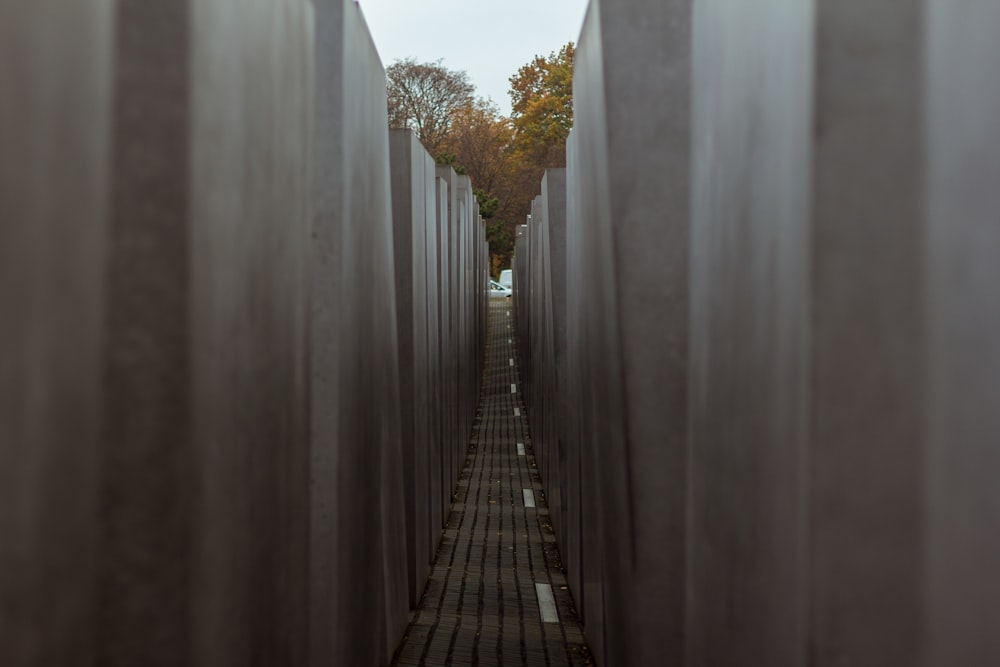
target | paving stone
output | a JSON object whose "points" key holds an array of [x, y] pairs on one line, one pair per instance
{"points": [[479, 605]]}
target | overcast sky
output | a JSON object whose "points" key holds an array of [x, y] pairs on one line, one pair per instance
{"points": [[489, 39]]}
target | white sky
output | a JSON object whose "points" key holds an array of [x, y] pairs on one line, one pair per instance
{"points": [[489, 39]]}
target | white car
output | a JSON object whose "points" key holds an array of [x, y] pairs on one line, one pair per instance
{"points": [[496, 289]]}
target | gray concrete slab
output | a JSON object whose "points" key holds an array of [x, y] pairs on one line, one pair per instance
{"points": [[576, 499], [359, 596], [411, 165], [443, 367], [55, 115], [635, 248], [148, 435], [248, 235], [961, 247], [561, 482], [866, 344], [432, 400], [200, 378], [451, 442], [166, 252], [746, 595]]}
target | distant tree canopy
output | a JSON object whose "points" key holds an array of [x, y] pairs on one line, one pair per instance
{"points": [[504, 157], [542, 99], [447, 159], [425, 97], [481, 140]]}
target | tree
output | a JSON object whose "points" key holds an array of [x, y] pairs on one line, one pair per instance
{"points": [[542, 99], [425, 98], [480, 144], [501, 242], [487, 205], [481, 140], [446, 159], [504, 157]]}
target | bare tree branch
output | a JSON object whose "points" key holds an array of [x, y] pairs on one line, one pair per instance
{"points": [[425, 97]]}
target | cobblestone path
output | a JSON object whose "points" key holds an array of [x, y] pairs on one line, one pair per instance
{"points": [[497, 594]]}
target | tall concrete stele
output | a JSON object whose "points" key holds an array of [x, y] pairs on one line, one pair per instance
{"points": [[763, 375], [205, 349], [782, 333]]}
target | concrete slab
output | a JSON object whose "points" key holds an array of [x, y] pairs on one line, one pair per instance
{"points": [[867, 368], [633, 223], [55, 188], [409, 190], [962, 243], [747, 509], [359, 595], [246, 226]]}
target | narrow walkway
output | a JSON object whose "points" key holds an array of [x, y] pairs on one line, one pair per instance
{"points": [[497, 594]]}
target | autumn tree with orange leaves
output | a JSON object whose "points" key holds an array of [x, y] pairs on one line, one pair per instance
{"points": [[481, 141], [542, 98], [504, 157]]}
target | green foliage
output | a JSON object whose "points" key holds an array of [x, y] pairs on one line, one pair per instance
{"points": [[542, 99], [447, 159], [487, 205], [501, 242]]}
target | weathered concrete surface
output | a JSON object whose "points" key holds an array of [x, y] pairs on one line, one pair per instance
{"points": [[412, 186], [442, 500], [961, 248], [867, 369], [359, 597], [204, 533], [534, 293], [577, 502], [540, 272], [452, 447], [55, 116], [460, 246], [633, 190], [202, 457], [432, 400], [839, 506], [747, 513], [537, 362], [467, 226], [544, 359], [148, 206], [559, 481], [148, 446], [249, 238], [845, 486]]}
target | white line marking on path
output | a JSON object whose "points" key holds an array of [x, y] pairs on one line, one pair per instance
{"points": [[517, 412], [529, 497], [546, 603], [520, 449]]}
